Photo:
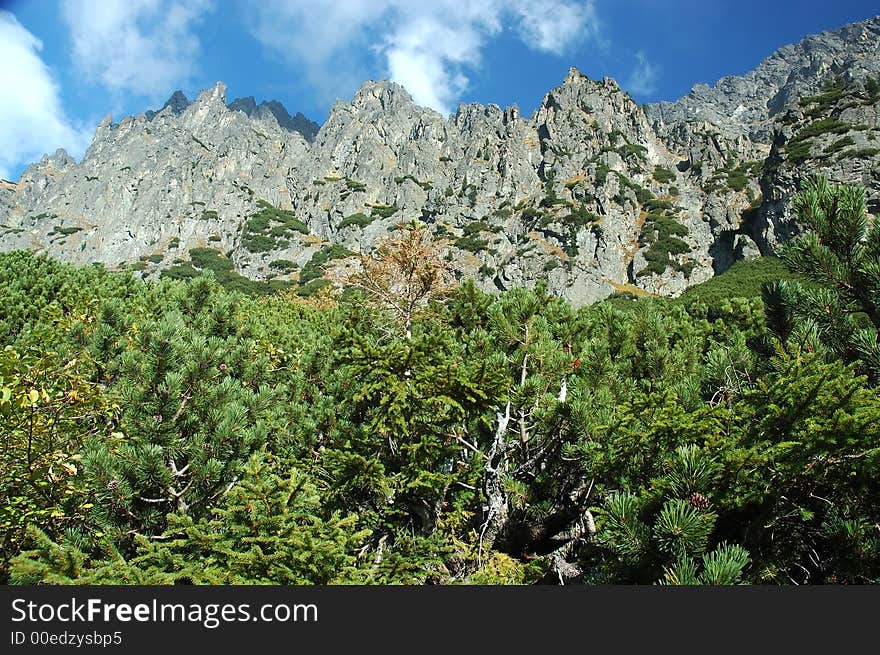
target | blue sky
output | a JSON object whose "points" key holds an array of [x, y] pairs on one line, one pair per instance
{"points": [[68, 63]]}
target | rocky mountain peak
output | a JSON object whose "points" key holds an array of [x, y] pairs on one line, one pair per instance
{"points": [[60, 159], [298, 123], [274, 110], [381, 95], [247, 105], [575, 77], [592, 193], [177, 103], [578, 90], [745, 105], [305, 126], [600, 106], [213, 95], [473, 115]]}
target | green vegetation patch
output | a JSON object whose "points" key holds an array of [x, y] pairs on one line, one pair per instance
{"points": [[425, 186], [798, 151], [360, 219], [742, 280], [838, 145], [270, 228], [383, 211], [734, 176], [354, 185], [208, 259], [633, 149], [530, 215], [872, 88], [655, 205], [471, 244], [475, 227], [828, 125], [860, 153], [799, 148], [283, 265], [64, 231], [830, 93], [314, 268], [663, 175], [311, 288], [661, 233], [642, 194]]}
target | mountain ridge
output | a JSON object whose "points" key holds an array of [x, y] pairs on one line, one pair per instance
{"points": [[593, 193], [816, 56]]}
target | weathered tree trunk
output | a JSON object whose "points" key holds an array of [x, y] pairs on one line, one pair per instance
{"points": [[582, 530], [497, 508]]}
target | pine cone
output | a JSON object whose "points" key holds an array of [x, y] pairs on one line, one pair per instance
{"points": [[698, 501]]}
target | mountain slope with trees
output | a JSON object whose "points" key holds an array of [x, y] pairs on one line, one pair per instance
{"points": [[175, 431]]}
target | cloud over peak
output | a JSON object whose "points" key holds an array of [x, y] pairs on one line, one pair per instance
{"points": [[555, 25], [32, 121], [144, 47], [643, 77], [427, 47]]}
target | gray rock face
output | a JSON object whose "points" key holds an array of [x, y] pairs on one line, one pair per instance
{"points": [[299, 123], [178, 102], [745, 105], [835, 134], [592, 193], [150, 186]]}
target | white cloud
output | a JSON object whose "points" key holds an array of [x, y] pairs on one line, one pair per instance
{"points": [[427, 47], [32, 121], [555, 25], [643, 78], [325, 41], [145, 47]]}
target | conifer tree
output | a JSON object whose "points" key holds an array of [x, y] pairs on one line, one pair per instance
{"points": [[804, 453], [403, 275], [267, 530], [402, 458], [840, 254], [722, 566], [193, 408]]}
